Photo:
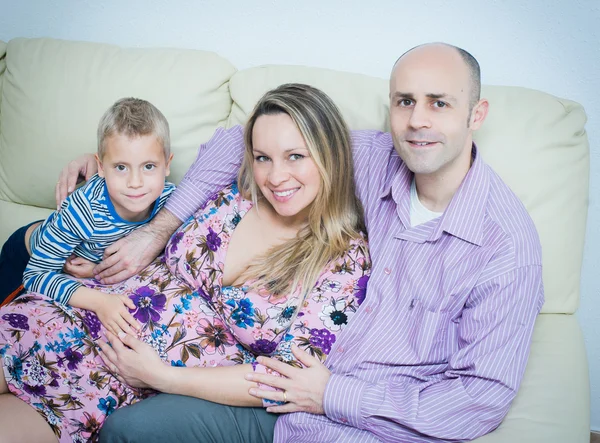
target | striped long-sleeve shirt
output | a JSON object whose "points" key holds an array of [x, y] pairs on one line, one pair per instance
{"points": [[437, 350], [85, 225]]}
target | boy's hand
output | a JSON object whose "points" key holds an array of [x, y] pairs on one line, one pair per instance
{"points": [[79, 267], [113, 311], [76, 171]]}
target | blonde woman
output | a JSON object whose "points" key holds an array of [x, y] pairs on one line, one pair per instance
{"points": [[274, 260]]}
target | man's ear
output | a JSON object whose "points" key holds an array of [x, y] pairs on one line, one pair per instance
{"points": [[479, 113], [168, 168], [100, 168]]}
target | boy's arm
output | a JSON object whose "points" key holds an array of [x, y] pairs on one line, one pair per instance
{"points": [[67, 229], [215, 167]]}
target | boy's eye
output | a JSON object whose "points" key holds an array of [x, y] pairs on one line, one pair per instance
{"points": [[149, 167], [120, 168], [295, 157], [261, 158]]}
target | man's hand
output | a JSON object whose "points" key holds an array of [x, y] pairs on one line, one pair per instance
{"points": [[113, 312], [132, 361], [79, 267], [82, 168], [301, 389], [132, 253]]}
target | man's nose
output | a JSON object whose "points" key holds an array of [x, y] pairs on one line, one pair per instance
{"points": [[420, 117]]}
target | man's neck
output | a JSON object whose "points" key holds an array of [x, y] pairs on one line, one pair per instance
{"points": [[436, 190]]}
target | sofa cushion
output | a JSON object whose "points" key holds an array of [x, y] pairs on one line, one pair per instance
{"points": [[55, 92], [552, 405], [535, 141]]}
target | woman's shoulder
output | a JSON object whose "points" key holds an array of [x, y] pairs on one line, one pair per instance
{"points": [[228, 199]]}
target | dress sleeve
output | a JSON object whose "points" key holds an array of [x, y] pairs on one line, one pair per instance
{"points": [[325, 312], [215, 167], [66, 230]]}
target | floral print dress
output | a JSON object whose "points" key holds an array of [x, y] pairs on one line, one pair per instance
{"points": [[51, 361]]}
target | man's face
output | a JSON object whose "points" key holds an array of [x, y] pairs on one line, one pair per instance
{"points": [[430, 114]]}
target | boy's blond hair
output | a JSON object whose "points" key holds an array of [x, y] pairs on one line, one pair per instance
{"points": [[133, 117]]}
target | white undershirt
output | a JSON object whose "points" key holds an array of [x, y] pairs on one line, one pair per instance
{"points": [[419, 214]]}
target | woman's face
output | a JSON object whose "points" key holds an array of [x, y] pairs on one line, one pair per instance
{"points": [[283, 167]]}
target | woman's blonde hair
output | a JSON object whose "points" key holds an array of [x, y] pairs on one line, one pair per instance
{"points": [[335, 216]]}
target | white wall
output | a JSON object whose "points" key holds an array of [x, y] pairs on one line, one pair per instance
{"points": [[550, 45]]}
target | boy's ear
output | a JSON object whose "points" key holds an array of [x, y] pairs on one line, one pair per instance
{"points": [[100, 168], [168, 168]]}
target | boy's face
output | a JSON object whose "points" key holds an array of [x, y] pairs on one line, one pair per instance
{"points": [[135, 171]]}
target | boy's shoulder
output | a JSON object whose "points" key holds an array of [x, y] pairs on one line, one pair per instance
{"points": [[84, 196]]}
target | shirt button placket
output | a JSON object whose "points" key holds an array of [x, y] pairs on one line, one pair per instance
{"points": [[387, 271]]}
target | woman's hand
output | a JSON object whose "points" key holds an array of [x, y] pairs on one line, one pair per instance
{"points": [[301, 389], [79, 267], [113, 312], [76, 171], [132, 361]]}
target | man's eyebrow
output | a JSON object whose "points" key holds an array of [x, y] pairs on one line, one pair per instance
{"points": [[444, 96], [402, 95]]}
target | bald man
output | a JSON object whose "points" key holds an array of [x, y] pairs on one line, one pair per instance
{"points": [[438, 349]]}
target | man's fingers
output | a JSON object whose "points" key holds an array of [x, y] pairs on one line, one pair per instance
{"points": [[269, 380], [117, 278], [276, 365], [304, 357], [116, 343], [107, 263]]}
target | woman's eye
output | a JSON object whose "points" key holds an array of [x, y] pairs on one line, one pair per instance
{"points": [[261, 158], [149, 167], [295, 157]]}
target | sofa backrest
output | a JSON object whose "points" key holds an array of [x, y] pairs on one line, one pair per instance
{"points": [[53, 93]]}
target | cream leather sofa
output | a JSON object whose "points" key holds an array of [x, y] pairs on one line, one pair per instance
{"points": [[53, 93]]}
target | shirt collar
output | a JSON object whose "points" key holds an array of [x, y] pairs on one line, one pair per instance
{"points": [[464, 216]]}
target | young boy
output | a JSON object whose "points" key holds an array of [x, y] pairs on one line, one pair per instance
{"points": [[133, 160]]}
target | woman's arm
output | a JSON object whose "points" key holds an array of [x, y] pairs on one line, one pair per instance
{"points": [[137, 364]]}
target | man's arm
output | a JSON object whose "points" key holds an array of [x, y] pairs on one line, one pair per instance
{"points": [[472, 397], [215, 167]]}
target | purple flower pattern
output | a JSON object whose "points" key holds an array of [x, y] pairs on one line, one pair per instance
{"points": [[52, 358]]}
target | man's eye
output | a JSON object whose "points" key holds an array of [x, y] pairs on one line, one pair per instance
{"points": [[295, 157], [120, 167], [405, 102], [440, 104], [149, 167]]}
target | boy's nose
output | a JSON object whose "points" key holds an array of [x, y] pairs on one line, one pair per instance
{"points": [[135, 180]]}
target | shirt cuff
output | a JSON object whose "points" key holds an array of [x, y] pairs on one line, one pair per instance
{"points": [[184, 201], [343, 398]]}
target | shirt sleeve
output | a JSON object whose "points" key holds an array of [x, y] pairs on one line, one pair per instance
{"points": [[325, 312], [216, 166], [66, 230], [474, 394]]}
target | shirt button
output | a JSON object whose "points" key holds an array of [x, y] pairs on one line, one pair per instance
{"points": [[388, 271], [369, 309], [344, 420], [340, 349]]}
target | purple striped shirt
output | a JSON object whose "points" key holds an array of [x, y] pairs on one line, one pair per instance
{"points": [[438, 349]]}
